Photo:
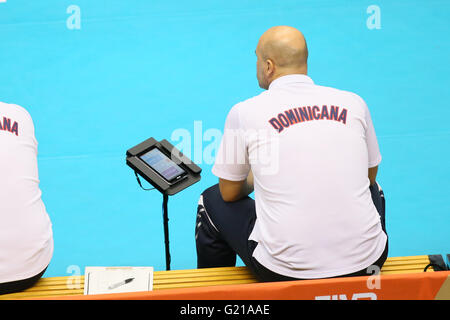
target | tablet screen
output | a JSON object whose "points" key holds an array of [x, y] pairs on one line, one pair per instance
{"points": [[159, 162]]}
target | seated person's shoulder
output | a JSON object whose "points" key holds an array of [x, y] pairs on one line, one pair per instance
{"points": [[15, 109], [251, 103], [344, 96]]}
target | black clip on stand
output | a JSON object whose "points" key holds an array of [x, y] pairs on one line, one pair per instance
{"points": [[159, 183]]}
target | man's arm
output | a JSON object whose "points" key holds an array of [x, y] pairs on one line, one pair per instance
{"points": [[236, 190], [372, 175]]}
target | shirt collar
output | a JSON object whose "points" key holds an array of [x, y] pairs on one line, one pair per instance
{"points": [[290, 78]]}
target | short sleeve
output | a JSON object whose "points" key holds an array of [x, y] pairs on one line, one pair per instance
{"points": [[371, 140], [232, 162]]}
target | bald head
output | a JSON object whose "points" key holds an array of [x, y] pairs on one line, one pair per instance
{"points": [[281, 50]]}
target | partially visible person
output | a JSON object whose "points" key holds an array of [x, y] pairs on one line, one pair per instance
{"points": [[26, 236]]}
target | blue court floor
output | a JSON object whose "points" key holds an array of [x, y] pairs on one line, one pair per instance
{"points": [[98, 77]]}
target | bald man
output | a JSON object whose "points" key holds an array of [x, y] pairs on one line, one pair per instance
{"points": [[311, 156]]}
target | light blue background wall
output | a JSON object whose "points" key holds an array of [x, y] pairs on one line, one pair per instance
{"points": [[138, 69]]}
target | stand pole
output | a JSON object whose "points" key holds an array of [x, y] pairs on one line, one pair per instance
{"points": [[166, 229]]}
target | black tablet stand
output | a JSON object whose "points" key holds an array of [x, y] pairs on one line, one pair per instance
{"points": [[141, 169]]}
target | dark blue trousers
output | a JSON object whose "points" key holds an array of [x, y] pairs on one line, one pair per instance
{"points": [[223, 228]]}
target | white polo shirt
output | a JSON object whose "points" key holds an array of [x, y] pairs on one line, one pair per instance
{"points": [[26, 238], [309, 148]]}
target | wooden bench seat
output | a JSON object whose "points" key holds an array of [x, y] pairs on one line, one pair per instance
{"points": [[74, 285]]}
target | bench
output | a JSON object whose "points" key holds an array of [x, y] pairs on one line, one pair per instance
{"points": [[73, 286]]}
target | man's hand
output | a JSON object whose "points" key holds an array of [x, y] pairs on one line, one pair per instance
{"points": [[372, 175], [236, 190]]}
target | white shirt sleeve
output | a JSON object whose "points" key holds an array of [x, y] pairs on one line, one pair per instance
{"points": [[232, 157], [371, 140], [27, 128]]}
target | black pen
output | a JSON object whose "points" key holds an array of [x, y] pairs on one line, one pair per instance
{"points": [[121, 283]]}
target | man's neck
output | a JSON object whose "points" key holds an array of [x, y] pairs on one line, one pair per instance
{"points": [[302, 71]]}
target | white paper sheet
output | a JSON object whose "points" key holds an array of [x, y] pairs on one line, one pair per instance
{"points": [[100, 280]]}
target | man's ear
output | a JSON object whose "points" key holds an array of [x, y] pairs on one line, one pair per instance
{"points": [[270, 67]]}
